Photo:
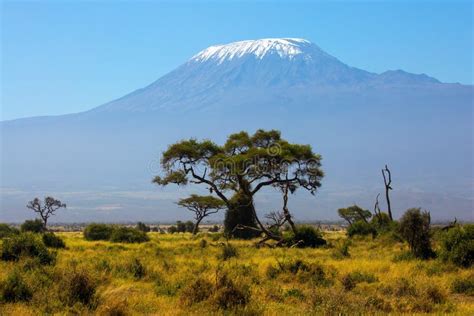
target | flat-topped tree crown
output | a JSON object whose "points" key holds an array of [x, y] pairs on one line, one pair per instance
{"points": [[244, 164]]}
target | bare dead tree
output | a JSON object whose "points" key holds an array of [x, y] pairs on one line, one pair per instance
{"points": [[377, 206], [387, 179], [277, 219], [45, 209], [451, 225]]}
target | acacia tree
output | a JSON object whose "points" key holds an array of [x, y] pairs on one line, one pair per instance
{"points": [[202, 206], [354, 213], [245, 165], [45, 209]]}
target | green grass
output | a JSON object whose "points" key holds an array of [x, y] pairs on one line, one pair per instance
{"points": [[160, 277]]}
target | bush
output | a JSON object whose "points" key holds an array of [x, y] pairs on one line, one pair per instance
{"points": [[188, 227], [228, 251], [308, 236], [26, 245], [53, 241], [361, 228], [142, 227], [382, 222], [78, 287], [6, 230], [348, 282], [137, 269], [172, 229], [198, 291], [34, 226], [463, 286], [128, 235], [98, 232], [214, 229], [228, 295], [415, 229], [14, 289], [457, 245]]}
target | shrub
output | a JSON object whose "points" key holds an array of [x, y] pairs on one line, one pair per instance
{"points": [[228, 295], [403, 287], [188, 226], [180, 227], [142, 227], [137, 269], [382, 222], [198, 291], [203, 243], [34, 226], [415, 229], [361, 228], [228, 251], [348, 282], [6, 230], [457, 245], [463, 286], [128, 235], [308, 236], [53, 241], [172, 229], [214, 229], [78, 287], [14, 289], [98, 232], [26, 245]]}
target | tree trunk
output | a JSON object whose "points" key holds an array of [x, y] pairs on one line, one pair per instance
{"points": [[196, 226]]}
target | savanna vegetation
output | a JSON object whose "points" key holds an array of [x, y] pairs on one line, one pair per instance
{"points": [[375, 265]]}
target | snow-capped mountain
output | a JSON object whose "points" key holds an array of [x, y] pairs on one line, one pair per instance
{"points": [[356, 119]]}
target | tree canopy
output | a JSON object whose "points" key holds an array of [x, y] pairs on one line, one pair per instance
{"points": [[245, 163], [202, 206], [354, 213]]}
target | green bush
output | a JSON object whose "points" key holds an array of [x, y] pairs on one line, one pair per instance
{"points": [[6, 230], [34, 226], [98, 231], [14, 289], [228, 251], [457, 245], [78, 287], [26, 245], [463, 286], [214, 229], [308, 236], [415, 229], [172, 229], [128, 235], [228, 295], [198, 291], [137, 269], [143, 227], [53, 241], [381, 222], [361, 228]]}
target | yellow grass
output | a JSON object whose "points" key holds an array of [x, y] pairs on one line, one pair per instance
{"points": [[173, 262]]}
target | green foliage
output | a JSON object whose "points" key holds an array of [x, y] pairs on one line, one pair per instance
{"points": [[228, 295], [381, 222], [34, 226], [26, 245], [354, 213], [415, 229], [307, 236], [7, 230], [198, 291], [228, 251], [214, 229], [78, 286], [172, 229], [128, 235], [463, 286], [137, 269], [14, 289], [240, 213], [143, 227], [52, 241], [98, 232], [457, 245], [361, 228]]}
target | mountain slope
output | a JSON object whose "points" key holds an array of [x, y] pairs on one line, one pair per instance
{"points": [[356, 119]]}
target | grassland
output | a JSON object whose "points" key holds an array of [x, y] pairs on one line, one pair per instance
{"points": [[159, 277]]}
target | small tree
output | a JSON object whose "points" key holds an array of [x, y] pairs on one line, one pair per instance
{"points": [[415, 229], [354, 213], [201, 206], [45, 209], [143, 227]]}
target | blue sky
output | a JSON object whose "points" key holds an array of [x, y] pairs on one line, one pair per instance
{"points": [[63, 57]]}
